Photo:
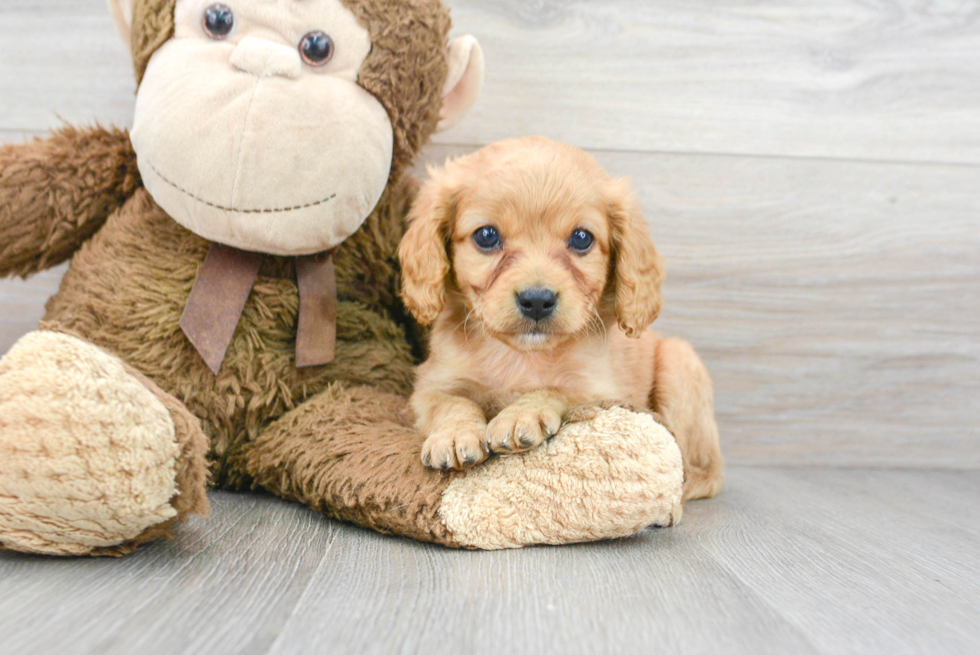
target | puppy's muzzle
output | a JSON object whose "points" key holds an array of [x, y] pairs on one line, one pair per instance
{"points": [[538, 303]]}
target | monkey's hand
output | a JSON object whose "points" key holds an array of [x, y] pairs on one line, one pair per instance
{"points": [[57, 192]]}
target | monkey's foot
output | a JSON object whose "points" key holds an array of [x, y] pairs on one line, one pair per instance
{"points": [[610, 475], [351, 454], [94, 458]]}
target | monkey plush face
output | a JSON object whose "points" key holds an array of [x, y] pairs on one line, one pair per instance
{"points": [[255, 129]]}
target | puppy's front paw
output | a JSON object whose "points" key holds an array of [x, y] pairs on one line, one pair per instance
{"points": [[456, 445], [522, 426]]}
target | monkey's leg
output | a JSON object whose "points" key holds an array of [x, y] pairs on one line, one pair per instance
{"points": [[350, 454], [683, 396], [57, 192], [94, 458]]}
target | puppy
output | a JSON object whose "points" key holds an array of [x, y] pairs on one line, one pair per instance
{"points": [[539, 278]]}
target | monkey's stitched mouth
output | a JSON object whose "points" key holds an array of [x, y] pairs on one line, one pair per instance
{"points": [[278, 210]]}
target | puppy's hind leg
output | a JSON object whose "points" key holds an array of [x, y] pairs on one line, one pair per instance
{"points": [[682, 394]]}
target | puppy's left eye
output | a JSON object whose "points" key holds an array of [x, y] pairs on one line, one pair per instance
{"points": [[487, 238], [581, 241]]}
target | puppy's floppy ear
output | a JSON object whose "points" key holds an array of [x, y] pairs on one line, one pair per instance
{"points": [[422, 253], [639, 268]]}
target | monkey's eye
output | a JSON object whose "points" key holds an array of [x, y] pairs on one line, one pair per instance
{"points": [[316, 48], [581, 241], [487, 238], [219, 21]]}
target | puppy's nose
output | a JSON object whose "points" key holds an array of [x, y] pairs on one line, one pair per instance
{"points": [[537, 304]]}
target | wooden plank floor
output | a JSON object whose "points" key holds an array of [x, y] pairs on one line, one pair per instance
{"points": [[785, 561]]}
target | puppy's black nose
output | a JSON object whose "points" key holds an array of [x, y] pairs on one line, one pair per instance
{"points": [[537, 304]]}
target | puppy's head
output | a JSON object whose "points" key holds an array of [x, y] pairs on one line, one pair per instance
{"points": [[534, 242]]}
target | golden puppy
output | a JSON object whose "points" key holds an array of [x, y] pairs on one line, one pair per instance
{"points": [[539, 277]]}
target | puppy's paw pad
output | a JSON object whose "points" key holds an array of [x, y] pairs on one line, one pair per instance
{"points": [[522, 427], [455, 448]]}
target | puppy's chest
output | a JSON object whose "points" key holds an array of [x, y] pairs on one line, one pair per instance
{"points": [[507, 376]]}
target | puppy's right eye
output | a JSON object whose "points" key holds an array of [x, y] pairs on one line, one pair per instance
{"points": [[487, 238], [581, 241]]}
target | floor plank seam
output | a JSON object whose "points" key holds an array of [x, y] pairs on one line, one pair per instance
{"points": [[334, 533], [746, 588], [184, 566]]}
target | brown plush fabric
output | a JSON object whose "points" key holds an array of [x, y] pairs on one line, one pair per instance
{"points": [[328, 454], [127, 287], [57, 192], [407, 68], [153, 25]]}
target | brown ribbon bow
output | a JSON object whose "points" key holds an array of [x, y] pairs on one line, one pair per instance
{"points": [[223, 285]]}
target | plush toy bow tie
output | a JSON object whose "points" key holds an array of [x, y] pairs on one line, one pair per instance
{"points": [[223, 285]]}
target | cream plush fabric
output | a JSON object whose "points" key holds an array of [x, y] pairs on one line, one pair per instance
{"points": [[463, 83], [310, 150], [555, 498], [88, 454]]}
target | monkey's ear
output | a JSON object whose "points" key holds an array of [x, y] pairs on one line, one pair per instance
{"points": [[122, 14], [463, 83]]}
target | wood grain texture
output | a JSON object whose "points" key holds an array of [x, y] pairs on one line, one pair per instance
{"points": [[22, 304], [853, 572], [658, 591], [226, 585], [890, 79], [785, 561], [62, 60]]}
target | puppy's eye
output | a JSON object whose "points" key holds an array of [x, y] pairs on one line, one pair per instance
{"points": [[581, 241], [219, 21], [487, 238], [316, 48]]}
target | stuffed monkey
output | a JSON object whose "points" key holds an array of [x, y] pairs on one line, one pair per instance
{"points": [[230, 316]]}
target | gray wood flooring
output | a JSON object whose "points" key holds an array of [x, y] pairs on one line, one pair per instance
{"points": [[815, 560]]}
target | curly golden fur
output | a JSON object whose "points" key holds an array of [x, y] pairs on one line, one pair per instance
{"points": [[493, 360]]}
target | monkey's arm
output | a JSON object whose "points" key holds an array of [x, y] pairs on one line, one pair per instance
{"points": [[367, 263], [57, 192]]}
